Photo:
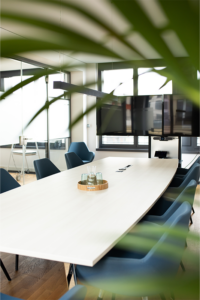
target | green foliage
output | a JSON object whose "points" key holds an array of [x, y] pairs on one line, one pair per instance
{"points": [[183, 20]]}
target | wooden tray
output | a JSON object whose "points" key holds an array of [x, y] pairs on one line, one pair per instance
{"points": [[93, 188]]}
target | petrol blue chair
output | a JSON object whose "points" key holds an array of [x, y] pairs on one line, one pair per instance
{"points": [[44, 168], [181, 182], [8, 183], [72, 160], [82, 151], [165, 207], [78, 292], [183, 171], [178, 184], [121, 275]]}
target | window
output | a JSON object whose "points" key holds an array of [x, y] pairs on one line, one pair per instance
{"points": [[120, 79], [117, 140], [149, 83], [143, 140]]}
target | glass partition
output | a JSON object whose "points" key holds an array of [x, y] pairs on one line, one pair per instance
{"points": [[34, 98], [59, 120], [11, 118], [20, 144]]}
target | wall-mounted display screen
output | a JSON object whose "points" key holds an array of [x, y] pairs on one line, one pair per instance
{"points": [[161, 115], [146, 115]]}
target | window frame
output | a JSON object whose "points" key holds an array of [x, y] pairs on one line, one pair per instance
{"points": [[133, 148]]}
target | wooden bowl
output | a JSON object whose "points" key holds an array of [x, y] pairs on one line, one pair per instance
{"points": [[93, 188]]}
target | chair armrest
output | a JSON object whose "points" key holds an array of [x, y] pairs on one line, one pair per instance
{"points": [[114, 274]]}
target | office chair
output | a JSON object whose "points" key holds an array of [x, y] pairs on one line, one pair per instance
{"points": [[177, 185], [78, 292], [82, 151], [183, 171], [113, 274], [44, 168], [165, 207], [72, 160], [8, 183], [181, 182]]}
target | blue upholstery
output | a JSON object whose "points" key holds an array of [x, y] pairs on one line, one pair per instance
{"points": [[72, 160], [44, 168], [181, 182], [165, 207], [78, 292], [7, 297], [122, 275], [183, 171], [7, 182], [82, 151]]}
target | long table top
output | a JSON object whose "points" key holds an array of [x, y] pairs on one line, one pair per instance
{"points": [[52, 219]]}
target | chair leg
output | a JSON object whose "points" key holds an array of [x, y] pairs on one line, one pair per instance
{"points": [[4, 270], [193, 210], [100, 297], [182, 266], [113, 296], [69, 276], [191, 222], [16, 262], [74, 273]]}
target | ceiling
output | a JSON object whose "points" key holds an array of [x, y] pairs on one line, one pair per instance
{"points": [[80, 23]]}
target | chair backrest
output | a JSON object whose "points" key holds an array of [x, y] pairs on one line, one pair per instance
{"points": [[72, 160], [169, 263], [7, 182], [186, 195], [44, 168], [80, 149], [196, 161], [194, 173]]}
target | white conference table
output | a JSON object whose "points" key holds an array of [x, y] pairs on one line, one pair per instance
{"points": [[52, 219]]}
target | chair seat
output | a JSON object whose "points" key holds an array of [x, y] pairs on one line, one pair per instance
{"points": [[85, 161]]}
